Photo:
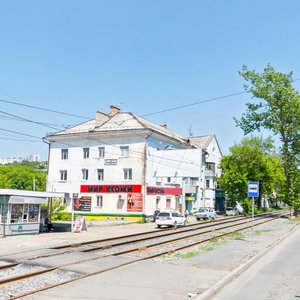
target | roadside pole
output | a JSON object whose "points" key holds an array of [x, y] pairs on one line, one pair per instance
{"points": [[72, 223], [4, 217], [253, 191], [252, 234], [74, 196]]}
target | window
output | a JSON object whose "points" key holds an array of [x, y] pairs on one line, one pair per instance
{"points": [[100, 173], [124, 151], [127, 174], [86, 152], [99, 201], [63, 175], [16, 213], [168, 203], [157, 201], [85, 174], [207, 183], [168, 179], [33, 212], [101, 152], [64, 153]]}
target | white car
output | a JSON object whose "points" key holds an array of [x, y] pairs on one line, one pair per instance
{"points": [[170, 218], [206, 213], [231, 211]]}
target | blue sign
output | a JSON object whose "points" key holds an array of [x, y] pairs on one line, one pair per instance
{"points": [[253, 189]]}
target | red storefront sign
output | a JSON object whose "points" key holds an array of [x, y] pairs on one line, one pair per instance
{"points": [[158, 190], [111, 188], [135, 202]]}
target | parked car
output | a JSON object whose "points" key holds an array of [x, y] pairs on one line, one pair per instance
{"points": [[156, 212], [206, 213], [170, 218], [231, 211]]}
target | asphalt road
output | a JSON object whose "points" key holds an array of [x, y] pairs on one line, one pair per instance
{"points": [[274, 276]]}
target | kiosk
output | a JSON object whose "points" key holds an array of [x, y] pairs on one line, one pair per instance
{"points": [[20, 211]]}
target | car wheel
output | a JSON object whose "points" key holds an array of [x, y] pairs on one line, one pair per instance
{"points": [[158, 226], [175, 225]]}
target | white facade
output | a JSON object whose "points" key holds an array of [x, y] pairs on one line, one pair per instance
{"points": [[117, 165]]}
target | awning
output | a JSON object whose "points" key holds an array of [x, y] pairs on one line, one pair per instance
{"points": [[26, 200]]}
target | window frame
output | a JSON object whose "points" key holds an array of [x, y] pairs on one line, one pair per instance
{"points": [[207, 183], [99, 201], [63, 175], [64, 154], [85, 174], [127, 174], [124, 151], [86, 153], [101, 152], [100, 174]]}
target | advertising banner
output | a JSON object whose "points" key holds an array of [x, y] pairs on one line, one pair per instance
{"points": [[83, 204], [135, 202]]}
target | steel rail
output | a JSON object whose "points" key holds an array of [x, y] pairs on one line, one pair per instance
{"points": [[138, 260]]}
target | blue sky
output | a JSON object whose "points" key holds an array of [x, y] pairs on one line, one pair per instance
{"points": [[146, 56]]}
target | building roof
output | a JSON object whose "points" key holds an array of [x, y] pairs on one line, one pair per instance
{"points": [[202, 141], [118, 122]]}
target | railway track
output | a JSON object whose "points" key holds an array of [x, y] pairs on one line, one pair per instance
{"points": [[77, 261]]}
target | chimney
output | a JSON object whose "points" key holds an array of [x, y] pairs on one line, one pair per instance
{"points": [[101, 118], [113, 110]]}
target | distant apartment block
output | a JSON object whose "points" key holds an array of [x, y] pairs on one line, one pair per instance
{"points": [[10, 160]]}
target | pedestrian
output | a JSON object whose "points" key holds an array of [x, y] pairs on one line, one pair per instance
{"points": [[186, 214], [48, 224]]}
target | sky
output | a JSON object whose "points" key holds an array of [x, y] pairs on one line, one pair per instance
{"points": [[79, 57]]}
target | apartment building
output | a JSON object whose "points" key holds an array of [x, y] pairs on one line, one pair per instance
{"points": [[120, 165]]}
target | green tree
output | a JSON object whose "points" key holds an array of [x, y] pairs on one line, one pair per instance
{"points": [[22, 178], [253, 159], [276, 107]]}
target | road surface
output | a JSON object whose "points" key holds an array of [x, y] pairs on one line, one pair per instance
{"points": [[274, 276]]}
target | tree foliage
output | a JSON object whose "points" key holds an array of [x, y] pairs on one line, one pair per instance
{"points": [[251, 160], [22, 178], [276, 107]]}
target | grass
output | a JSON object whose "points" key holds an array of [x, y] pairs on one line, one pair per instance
{"points": [[213, 244], [259, 232], [295, 219]]}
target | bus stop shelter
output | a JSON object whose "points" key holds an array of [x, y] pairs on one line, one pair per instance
{"points": [[20, 210]]}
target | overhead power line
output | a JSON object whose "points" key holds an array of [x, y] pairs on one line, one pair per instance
{"points": [[23, 134], [44, 109], [28, 120], [194, 103]]}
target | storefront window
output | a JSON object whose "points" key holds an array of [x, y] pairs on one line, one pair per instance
{"points": [[16, 213], [33, 213]]}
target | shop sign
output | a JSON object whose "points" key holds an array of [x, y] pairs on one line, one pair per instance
{"points": [[135, 202], [118, 188], [83, 204], [155, 190], [110, 162]]}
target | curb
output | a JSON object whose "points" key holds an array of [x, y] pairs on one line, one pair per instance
{"points": [[215, 288]]}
